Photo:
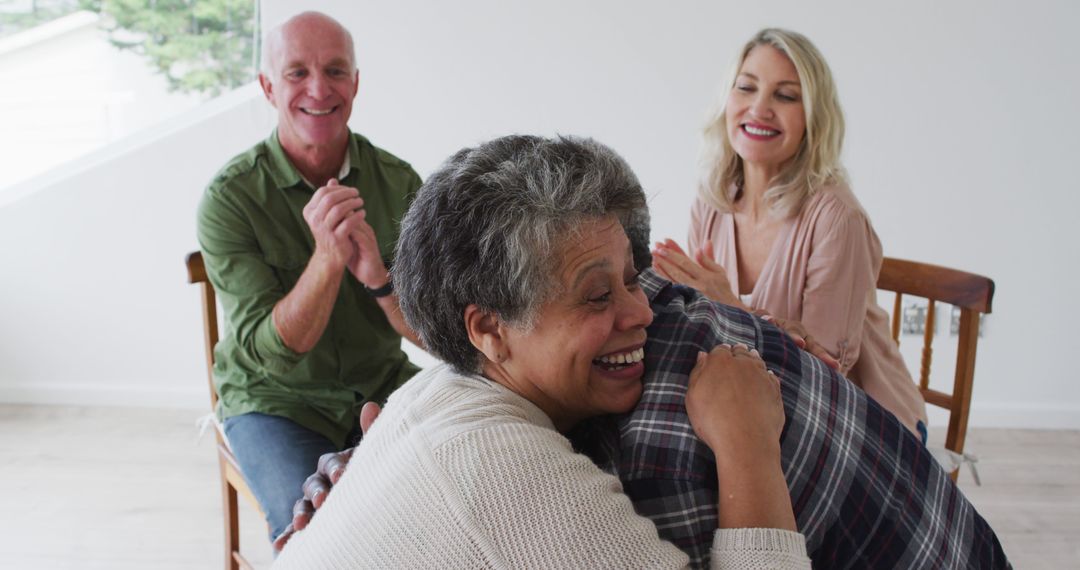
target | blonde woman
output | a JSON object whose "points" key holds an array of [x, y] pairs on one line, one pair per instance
{"points": [[775, 227]]}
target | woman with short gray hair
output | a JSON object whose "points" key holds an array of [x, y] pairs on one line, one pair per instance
{"points": [[491, 218], [518, 266]]}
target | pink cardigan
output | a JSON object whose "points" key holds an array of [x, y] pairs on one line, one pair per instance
{"points": [[822, 271]]}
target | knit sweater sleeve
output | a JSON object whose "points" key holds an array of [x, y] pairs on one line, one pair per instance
{"points": [[544, 505]]}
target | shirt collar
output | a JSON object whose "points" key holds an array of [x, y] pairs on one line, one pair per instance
{"points": [[346, 165], [652, 283], [286, 175]]}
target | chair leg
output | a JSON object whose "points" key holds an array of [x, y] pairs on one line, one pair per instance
{"points": [[231, 511]]}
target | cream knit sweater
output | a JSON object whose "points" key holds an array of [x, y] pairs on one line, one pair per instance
{"points": [[459, 472]]}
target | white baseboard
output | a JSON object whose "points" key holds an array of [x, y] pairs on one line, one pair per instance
{"points": [[125, 395]]}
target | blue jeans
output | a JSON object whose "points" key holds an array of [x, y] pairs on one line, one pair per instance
{"points": [[275, 455]]}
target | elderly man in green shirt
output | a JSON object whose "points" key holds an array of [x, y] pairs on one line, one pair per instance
{"points": [[296, 233]]}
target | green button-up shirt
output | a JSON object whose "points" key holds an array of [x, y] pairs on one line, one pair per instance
{"points": [[255, 244]]}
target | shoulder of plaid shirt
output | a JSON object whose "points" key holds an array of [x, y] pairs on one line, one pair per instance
{"points": [[865, 491]]}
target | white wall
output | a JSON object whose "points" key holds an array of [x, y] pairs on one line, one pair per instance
{"points": [[961, 126], [115, 93], [94, 304]]}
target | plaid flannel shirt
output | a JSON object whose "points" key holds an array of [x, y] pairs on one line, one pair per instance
{"points": [[866, 493]]}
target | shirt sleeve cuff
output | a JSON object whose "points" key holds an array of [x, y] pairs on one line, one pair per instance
{"points": [[750, 548], [271, 351]]}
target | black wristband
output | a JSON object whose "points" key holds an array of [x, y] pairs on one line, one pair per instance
{"points": [[383, 291]]}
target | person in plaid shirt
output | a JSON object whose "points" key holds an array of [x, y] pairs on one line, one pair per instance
{"points": [[865, 491]]}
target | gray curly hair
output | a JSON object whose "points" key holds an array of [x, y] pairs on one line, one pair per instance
{"points": [[488, 226]]}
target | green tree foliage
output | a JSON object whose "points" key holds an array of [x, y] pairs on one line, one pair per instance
{"points": [[200, 46]]}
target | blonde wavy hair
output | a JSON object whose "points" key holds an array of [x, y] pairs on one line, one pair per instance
{"points": [[817, 161]]}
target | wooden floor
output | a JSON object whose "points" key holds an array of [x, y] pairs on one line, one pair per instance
{"points": [[125, 488]]}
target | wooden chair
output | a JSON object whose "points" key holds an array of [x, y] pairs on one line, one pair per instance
{"points": [[973, 295], [232, 482]]}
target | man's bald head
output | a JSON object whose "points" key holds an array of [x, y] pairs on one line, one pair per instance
{"points": [[274, 40], [310, 77]]}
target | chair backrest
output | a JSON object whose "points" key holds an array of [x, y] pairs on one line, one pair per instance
{"points": [[232, 481], [197, 274], [973, 295]]}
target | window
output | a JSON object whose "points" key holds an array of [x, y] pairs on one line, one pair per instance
{"points": [[79, 74]]}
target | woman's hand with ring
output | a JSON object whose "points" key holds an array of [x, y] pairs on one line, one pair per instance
{"points": [[802, 338], [734, 404]]}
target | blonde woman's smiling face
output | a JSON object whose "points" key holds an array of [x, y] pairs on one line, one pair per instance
{"points": [[585, 354], [764, 111]]}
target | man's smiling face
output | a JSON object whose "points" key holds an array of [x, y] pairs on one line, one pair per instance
{"points": [[312, 82]]}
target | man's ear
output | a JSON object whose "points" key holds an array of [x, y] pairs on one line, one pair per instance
{"points": [[267, 88], [486, 333]]}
